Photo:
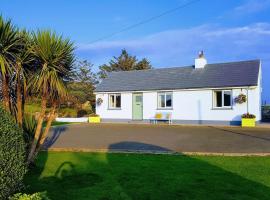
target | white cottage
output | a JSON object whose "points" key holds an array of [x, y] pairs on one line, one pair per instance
{"points": [[199, 94]]}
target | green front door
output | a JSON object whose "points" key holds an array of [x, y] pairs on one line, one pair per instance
{"points": [[137, 106]]}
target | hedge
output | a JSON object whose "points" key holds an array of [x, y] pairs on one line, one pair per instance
{"points": [[35, 196], [12, 155]]}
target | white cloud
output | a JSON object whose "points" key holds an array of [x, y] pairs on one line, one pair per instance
{"points": [[248, 8], [180, 47], [252, 6], [258, 28]]}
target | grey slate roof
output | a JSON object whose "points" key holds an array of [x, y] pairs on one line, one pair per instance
{"points": [[232, 74]]}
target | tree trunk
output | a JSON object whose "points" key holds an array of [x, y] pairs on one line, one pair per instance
{"points": [[19, 100], [5, 89], [38, 129], [48, 125], [24, 96]]}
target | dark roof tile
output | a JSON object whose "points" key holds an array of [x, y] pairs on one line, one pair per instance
{"points": [[233, 74]]}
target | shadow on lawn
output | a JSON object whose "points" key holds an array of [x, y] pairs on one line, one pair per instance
{"points": [[69, 179], [136, 176], [65, 178]]}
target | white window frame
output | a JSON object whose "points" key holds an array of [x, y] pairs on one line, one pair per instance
{"points": [[165, 94], [113, 107], [222, 99]]}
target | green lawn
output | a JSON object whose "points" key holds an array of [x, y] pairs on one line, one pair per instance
{"points": [[135, 176], [32, 108], [55, 123]]}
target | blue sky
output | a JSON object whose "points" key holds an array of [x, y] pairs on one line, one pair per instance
{"points": [[227, 30]]}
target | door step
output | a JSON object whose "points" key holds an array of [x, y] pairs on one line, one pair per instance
{"points": [[138, 122]]}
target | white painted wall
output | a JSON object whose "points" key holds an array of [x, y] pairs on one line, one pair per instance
{"points": [[197, 105], [70, 119], [124, 113], [187, 105]]}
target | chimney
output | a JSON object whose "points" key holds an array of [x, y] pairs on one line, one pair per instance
{"points": [[200, 62]]}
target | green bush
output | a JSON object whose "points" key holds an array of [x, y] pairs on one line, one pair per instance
{"points": [[81, 113], [93, 115], [248, 115], [12, 155], [29, 127], [35, 196], [67, 112]]}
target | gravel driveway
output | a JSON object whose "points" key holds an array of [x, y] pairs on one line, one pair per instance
{"points": [[159, 138]]}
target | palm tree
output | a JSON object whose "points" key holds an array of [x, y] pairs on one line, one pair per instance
{"points": [[9, 46], [22, 65], [54, 56], [55, 101]]}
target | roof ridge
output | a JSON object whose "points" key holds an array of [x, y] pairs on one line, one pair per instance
{"points": [[234, 62], [186, 66], [153, 69]]}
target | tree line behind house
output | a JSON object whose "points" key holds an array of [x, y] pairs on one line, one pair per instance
{"points": [[84, 79]]}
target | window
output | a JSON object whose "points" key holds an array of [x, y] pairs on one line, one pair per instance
{"points": [[165, 100], [222, 99], [138, 99], [114, 101]]}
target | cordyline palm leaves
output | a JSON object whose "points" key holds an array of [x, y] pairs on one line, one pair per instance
{"points": [[54, 58], [43, 58], [9, 46], [22, 67]]}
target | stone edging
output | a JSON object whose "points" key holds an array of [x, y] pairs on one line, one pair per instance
{"points": [[153, 152]]}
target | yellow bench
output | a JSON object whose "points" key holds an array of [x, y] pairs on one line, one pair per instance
{"points": [[162, 116]]}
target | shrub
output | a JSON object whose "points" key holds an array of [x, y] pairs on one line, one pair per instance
{"points": [[67, 112], [29, 127], [247, 115], [81, 113], [93, 115], [12, 155], [35, 196]]}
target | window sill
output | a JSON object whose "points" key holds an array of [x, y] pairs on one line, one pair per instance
{"points": [[114, 108], [222, 108], [164, 108]]}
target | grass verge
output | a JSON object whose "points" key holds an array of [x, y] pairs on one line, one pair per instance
{"points": [[69, 175]]}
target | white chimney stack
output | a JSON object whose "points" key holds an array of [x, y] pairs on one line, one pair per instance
{"points": [[200, 62]]}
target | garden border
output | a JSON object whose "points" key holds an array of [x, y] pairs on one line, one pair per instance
{"points": [[153, 152]]}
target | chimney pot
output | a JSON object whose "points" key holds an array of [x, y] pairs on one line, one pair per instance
{"points": [[201, 55], [200, 62]]}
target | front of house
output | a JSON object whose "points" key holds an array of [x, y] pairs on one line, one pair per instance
{"points": [[199, 94]]}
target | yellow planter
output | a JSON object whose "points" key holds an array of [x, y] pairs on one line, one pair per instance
{"points": [[94, 119], [248, 122]]}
